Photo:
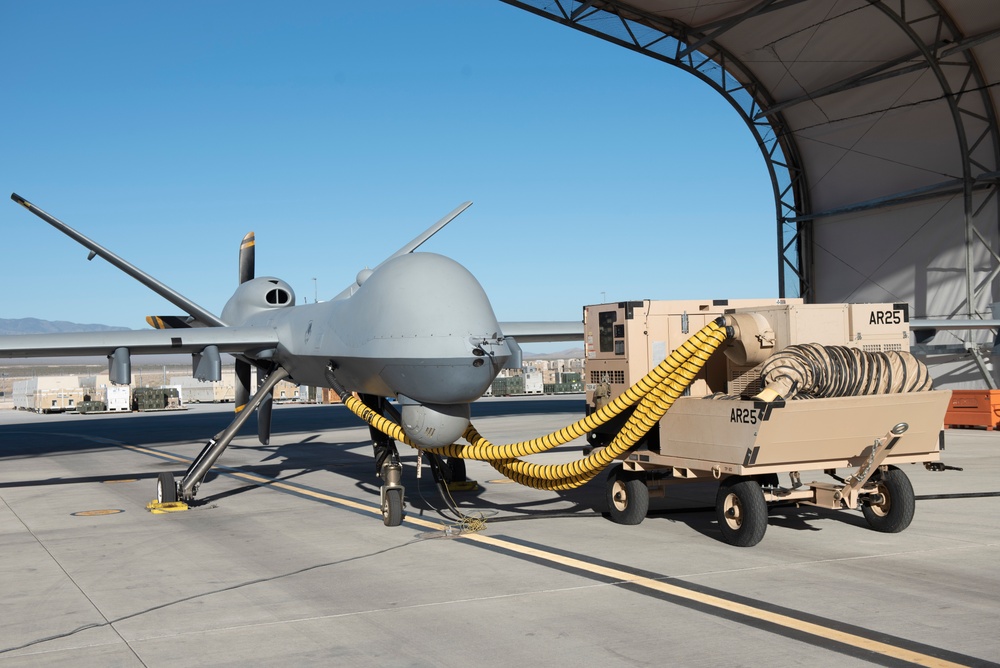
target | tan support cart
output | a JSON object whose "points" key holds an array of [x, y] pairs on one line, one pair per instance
{"points": [[745, 444]]}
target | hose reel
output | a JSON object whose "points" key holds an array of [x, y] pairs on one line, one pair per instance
{"points": [[811, 370]]}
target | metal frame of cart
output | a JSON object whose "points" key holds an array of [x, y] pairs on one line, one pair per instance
{"points": [[745, 444]]}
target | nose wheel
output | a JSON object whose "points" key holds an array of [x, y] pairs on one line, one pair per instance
{"points": [[387, 464], [392, 494], [392, 507]]}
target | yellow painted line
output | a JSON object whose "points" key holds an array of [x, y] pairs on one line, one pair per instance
{"points": [[778, 619], [348, 503], [97, 513]]}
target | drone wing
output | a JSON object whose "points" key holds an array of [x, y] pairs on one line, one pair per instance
{"points": [[196, 312], [237, 340], [536, 332], [517, 333]]}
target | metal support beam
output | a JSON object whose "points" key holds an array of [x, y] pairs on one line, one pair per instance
{"points": [[728, 24], [869, 76], [885, 71], [981, 364], [944, 189], [584, 6], [969, 42], [771, 7]]}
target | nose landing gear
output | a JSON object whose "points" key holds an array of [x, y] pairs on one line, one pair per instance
{"points": [[387, 466], [392, 494]]}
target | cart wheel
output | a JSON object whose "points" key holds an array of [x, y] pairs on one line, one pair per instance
{"points": [[895, 512], [742, 511], [628, 496]]}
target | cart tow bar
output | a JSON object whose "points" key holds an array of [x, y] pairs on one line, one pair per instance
{"points": [[848, 494]]}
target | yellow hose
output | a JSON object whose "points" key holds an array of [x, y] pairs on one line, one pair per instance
{"points": [[647, 414], [655, 393]]}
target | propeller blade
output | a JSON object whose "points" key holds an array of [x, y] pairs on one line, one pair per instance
{"points": [[264, 418], [174, 321], [242, 384], [266, 404], [247, 258]]}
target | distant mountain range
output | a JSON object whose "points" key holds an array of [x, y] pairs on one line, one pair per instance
{"points": [[36, 326]]}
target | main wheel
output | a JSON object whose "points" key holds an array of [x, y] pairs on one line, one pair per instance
{"points": [[627, 495], [895, 512], [166, 488], [392, 508], [741, 511]]}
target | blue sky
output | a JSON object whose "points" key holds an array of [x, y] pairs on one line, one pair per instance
{"points": [[339, 131]]}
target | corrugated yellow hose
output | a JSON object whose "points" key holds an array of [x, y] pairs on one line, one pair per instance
{"points": [[685, 363], [655, 393]]}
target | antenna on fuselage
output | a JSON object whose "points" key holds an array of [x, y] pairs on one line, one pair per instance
{"points": [[419, 240], [413, 245]]}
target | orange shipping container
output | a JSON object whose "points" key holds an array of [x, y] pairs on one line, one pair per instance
{"points": [[973, 408]]}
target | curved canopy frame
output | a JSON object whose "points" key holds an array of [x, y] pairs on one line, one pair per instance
{"points": [[876, 118]]}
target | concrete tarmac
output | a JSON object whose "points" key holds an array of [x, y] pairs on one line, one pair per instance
{"points": [[285, 559]]}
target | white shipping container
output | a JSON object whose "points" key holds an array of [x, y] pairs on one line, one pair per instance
{"points": [[117, 397], [533, 382]]}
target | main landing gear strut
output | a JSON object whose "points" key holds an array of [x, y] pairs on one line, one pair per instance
{"points": [[167, 491]]}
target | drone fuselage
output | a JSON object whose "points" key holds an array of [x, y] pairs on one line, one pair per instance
{"points": [[419, 329]]}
